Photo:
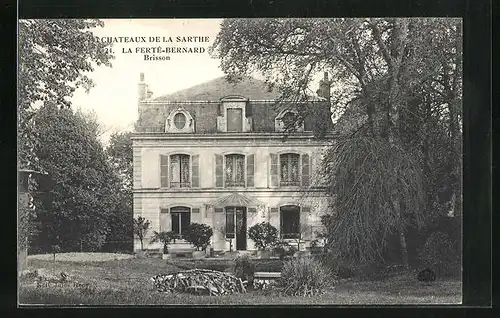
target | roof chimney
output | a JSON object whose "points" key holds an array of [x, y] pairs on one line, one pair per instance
{"points": [[142, 88], [324, 87]]}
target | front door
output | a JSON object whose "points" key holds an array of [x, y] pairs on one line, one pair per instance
{"points": [[241, 228]]}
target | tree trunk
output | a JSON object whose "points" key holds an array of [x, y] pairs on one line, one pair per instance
{"points": [[404, 249]]}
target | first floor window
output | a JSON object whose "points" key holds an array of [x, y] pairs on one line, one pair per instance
{"points": [[181, 218], [290, 221], [235, 171], [179, 171], [289, 169]]}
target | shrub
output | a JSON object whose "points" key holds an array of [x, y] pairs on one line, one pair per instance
{"points": [[271, 265], [439, 255], [164, 237], [304, 276], [199, 235], [243, 267], [263, 234], [283, 249]]}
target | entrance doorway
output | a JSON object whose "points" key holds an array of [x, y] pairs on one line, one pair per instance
{"points": [[236, 218]]}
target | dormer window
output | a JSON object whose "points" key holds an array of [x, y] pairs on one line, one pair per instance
{"points": [[179, 121], [233, 115], [234, 119], [287, 119]]}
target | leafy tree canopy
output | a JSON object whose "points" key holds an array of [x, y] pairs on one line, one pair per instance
{"points": [[82, 197], [56, 56]]}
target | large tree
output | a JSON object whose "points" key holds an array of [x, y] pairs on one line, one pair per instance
{"points": [[393, 70], [55, 58], [119, 154], [83, 196]]}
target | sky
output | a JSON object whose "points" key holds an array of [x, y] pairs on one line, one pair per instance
{"points": [[114, 97]]}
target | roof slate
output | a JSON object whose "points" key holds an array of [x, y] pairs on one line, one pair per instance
{"points": [[218, 88]]}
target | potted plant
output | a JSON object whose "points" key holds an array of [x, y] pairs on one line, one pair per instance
{"points": [[228, 237], [264, 236], [199, 235], [141, 228], [165, 238]]}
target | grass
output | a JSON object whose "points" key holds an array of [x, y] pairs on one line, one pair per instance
{"points": [[126, 282]]}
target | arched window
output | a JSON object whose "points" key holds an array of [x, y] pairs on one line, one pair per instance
{"points": [[289, 169], [290, 221], [234, 170], [180, 219]]}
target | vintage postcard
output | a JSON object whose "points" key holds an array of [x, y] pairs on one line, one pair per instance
{"points": [[307, 161]]}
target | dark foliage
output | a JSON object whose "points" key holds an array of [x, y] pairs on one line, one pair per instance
{"points": [[263, 234], [199, 235], [439, 255], [426, 275]]}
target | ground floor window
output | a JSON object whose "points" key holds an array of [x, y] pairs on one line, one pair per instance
{"points": [[290, 221], [181, 218]]}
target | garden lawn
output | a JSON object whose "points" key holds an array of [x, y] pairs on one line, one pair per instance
{"points": [[127, 282]]}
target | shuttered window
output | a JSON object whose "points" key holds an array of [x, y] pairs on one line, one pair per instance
{"points": [[289, 169], [234, 171], [179, 171]]}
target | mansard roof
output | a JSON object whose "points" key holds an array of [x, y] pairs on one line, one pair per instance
{"points": [[215, 89], [203, 103]]}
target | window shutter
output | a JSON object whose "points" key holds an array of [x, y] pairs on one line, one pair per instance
{"points": [[250, 170], [164, 171], [273, 217], [305, 170], [305, 228], [219, 183], [164, 218], [274, 170], [195, 173], [150, 169]]}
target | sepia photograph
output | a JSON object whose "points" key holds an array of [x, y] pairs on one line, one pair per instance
{"points": [[240, 161]]}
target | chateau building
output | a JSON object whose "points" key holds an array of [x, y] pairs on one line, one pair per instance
{"points": [[216, 153]]}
